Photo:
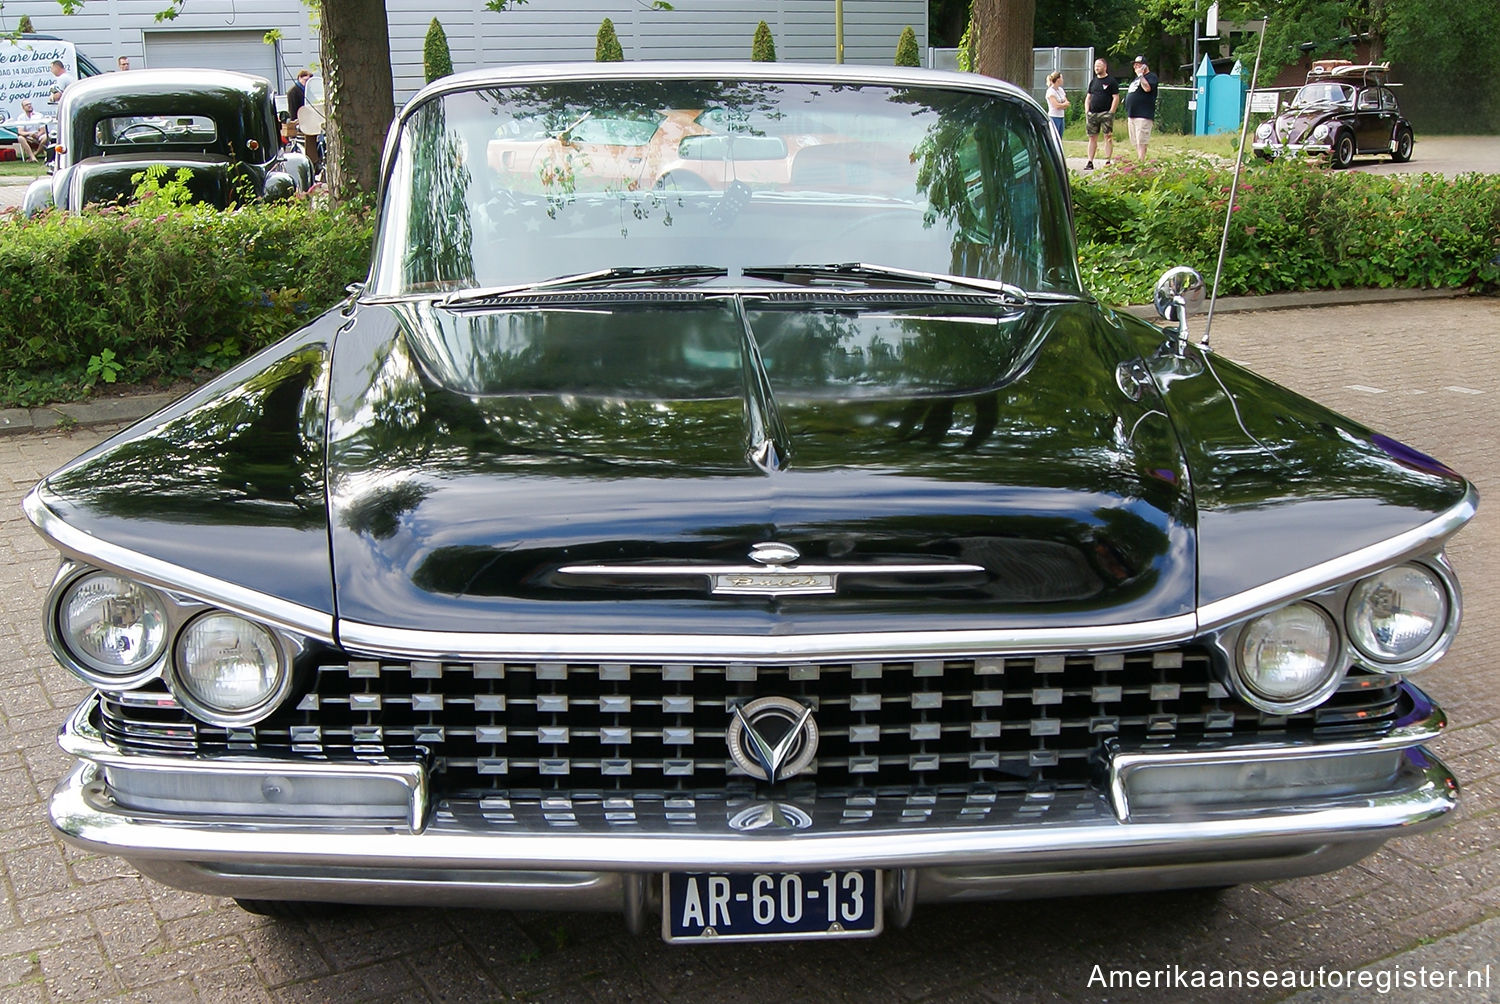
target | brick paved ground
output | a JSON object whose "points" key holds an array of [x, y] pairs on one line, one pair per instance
{"points": [[74, 927]]}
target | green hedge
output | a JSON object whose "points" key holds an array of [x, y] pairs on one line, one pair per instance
{"points": [[157, 293], [1297, 225]]}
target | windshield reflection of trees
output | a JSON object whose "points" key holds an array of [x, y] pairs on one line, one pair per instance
{"points": [[992, 204]]}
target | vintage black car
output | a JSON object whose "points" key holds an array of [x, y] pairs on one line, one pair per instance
{"points": [[754, 560], [1343, 110], [219, 125]]}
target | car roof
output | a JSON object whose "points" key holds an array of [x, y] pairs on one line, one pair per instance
{"points": [[1345, 72]]}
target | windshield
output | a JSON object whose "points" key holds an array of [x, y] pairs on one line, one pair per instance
{"points": [[506, 186], [1325, 94]]}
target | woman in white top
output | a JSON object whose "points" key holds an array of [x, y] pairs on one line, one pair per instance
{"points": [[1057, 100]]}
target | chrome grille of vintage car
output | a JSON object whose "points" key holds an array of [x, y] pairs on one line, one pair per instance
{"points": [[528, 729]]}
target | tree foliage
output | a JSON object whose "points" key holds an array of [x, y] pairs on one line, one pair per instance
{"points": [[763, 47], [437, 61], [906, 48], [607, 47]]}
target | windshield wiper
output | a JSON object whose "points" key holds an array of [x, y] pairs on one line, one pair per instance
{"points": [[584, 280], [863, 272]]}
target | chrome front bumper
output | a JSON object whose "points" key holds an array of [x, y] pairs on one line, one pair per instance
{"points": [[1105, 841]]}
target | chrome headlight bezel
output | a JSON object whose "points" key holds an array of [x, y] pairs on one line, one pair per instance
{"points": [[180, 612], [1438, 642], [91, 672], [183, 689], [1336, 663]]}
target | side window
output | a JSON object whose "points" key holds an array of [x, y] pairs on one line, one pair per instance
{"points": [[1369, 100], [1387, 100]]}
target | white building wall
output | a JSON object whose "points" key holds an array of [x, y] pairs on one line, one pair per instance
{"points": [[539, 31]]}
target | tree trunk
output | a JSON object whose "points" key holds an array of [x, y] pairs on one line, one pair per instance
{"points": [[361, 98], [1006, 28]]}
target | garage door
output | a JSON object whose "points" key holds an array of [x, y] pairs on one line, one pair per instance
{"points": [[245, 51]]}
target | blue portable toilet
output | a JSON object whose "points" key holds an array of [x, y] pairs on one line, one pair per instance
{"points": [[1224, 108]]}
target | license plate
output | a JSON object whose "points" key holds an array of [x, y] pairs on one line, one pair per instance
{"points": [[750, 906]]}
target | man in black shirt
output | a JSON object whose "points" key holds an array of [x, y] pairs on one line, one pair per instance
{"points": [[1099, 112], [1140, 106]]}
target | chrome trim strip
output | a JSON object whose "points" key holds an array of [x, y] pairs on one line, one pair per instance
{"points": [[1427, 794], [80, 738], [657, 571], [250, 603], [1411, 544], [706, 648], [1425, 723]]}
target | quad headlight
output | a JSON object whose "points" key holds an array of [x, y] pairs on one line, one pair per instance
{"points": [[228, 670], [1289, 659], [112, 630], [1401, 619]]}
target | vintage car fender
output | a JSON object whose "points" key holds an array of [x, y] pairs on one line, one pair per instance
{"points": [[39, 196], [300, 168]]}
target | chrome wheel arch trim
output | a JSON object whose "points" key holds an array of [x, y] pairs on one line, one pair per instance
{"points": [[249, 603]]}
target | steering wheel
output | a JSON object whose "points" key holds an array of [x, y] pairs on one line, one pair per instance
{"points": [[124, 133]]}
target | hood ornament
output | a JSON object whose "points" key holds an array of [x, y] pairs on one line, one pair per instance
{"points": [[773, 738], [772, 552]]}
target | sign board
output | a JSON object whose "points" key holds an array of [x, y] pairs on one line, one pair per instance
{"points": [[1264, 101], [26, 72]]}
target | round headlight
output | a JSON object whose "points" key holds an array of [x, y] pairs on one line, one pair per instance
{"points": [[228, 668], [1321, 132], [1397, 615], [112, 626], [1289, 658], [1263, 131]]}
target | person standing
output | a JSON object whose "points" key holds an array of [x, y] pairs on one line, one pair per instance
{"points": [[1140, 106], [296, 95], [1099, 112], [61, 79], [1057, 101]]}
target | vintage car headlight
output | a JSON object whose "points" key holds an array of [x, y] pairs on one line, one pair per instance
{"points": [[228, 670], [1398, 617], [114, 629], [1321, 132], [1289, 659], [1263, 131]]}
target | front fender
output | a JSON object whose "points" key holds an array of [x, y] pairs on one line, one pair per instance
{"points": [[39, 196]]}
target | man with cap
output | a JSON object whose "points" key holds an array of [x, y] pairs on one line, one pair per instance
{"points": [[1140, 106]]}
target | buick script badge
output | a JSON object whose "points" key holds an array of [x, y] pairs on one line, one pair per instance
{"points": [[773, 738]]}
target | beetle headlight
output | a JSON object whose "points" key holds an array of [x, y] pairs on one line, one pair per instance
{"points": [[1401, 618], [1263, 131], [114, 629], [1288, 659], [1320, 133], [229, 670]]}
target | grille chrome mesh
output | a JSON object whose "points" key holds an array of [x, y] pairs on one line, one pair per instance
{"points": [[487, 729]]}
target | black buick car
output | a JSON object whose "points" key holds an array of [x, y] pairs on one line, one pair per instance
{"points": [[755, 551]]}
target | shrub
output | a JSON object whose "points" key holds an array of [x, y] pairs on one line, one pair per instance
{"points": [[124, 294], [607, 44], [437, 61], [1295, 226], [24, 25], [906, 48], [763, 47]]}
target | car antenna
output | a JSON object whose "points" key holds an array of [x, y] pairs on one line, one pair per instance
{"points": [[1239, 162]]}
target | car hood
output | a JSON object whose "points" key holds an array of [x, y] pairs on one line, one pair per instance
{"points": [[1295, 125], [582, 464]]}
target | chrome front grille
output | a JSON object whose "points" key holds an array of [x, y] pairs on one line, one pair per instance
{"points": [[1007, 723]]}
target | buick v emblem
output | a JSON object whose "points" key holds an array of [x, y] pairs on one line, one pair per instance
{"points": [[773, 738]]}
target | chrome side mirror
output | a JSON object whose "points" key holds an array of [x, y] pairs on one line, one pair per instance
{"points": [[1179, 292]]}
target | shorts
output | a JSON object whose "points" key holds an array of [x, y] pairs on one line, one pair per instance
{"points": [[1095, 123], [1140, 130]]}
